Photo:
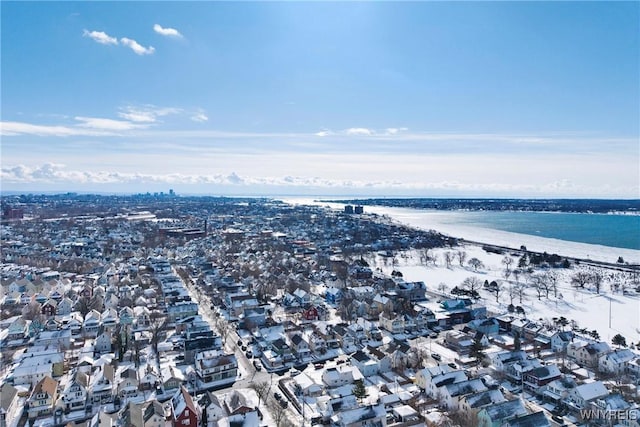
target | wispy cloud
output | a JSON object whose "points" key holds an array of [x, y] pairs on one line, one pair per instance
{"points": [[169, 32], [107, 124], [359, 132], [146, 113], [137, 47], [199, 116], [100, 37]]}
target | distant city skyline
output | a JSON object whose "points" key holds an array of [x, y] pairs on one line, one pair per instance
{"points": [[433, 99]]}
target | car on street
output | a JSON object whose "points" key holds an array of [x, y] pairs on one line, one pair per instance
{"points": [[436, 356], [277, 395]]}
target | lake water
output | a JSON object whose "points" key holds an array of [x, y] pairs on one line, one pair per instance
{"points": [[620, 231]]}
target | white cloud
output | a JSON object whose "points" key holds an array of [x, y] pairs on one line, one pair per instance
{"points": [[359, 132], [199, 116], [137, 47], [170, 32], [394, 131], [323, 133], [146, 114], [107, 124], [100, 37], [53, 173], [20, 128]]}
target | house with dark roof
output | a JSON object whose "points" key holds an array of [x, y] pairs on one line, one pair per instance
{"points": [[496, 415], [535, 378], [537, 419], [10, 408]]}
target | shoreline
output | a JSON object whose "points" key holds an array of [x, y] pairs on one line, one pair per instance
{"points": [[438, 220]]}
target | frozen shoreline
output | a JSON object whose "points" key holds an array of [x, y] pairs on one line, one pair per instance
{"points": [[440, 221]]}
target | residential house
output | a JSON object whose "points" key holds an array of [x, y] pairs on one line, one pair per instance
{"points": [[587, 354], [537, 419], [365, 364], [489, 327], [435, 384], [128, 383], [365, 416], [91, 324], [172, 378], [237, 403], [473, 403], [536, 378], [333, 295], [559, 389], [10, 408], [103, 341], [341, 375], [581, 396], [212, 409], [451, 393], [300, 346], [211, 366], [43, 398], [381, 304], [424, 376], [65, 307], [560, 340], [102, 384], [49, 307], [147, 414], [616, 361], [392, 323], [496, 415], [75, 394], [184, 412]]}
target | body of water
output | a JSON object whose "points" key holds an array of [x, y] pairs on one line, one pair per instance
{"points": [[619, 231]]}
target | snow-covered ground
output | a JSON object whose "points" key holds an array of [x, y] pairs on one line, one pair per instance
{"points": [[589, 309], [441, 221]]}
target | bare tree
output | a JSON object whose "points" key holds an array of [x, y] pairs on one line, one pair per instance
{"points": [[157, 326], [507, 261], [596, 280], [442, 287], [448, 258], [512, 292], [462, 256], [278, 413], [472, 283], [580, 279], [521, 289], [261, 388], [497, 290], [476, 264]]}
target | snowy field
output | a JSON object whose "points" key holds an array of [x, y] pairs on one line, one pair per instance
{"points": [[589, 309]]}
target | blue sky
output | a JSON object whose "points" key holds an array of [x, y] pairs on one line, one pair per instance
{"points": [[433, 99]]}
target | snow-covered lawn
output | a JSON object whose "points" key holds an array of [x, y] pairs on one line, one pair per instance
{"points": [[589, 309]]}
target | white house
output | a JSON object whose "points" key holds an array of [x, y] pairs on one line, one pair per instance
{"points": [[616, 361], [584, 394], [75, 393], [341, 375]]}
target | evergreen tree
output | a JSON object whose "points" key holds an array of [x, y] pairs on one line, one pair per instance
{"points": [[359, 390], [619, 340], [517, 343], [477, 351]]}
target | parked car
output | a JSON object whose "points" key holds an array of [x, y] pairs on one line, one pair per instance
{"points": [[277, 395], [436, 356], [284, 403], [240, 342]]}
